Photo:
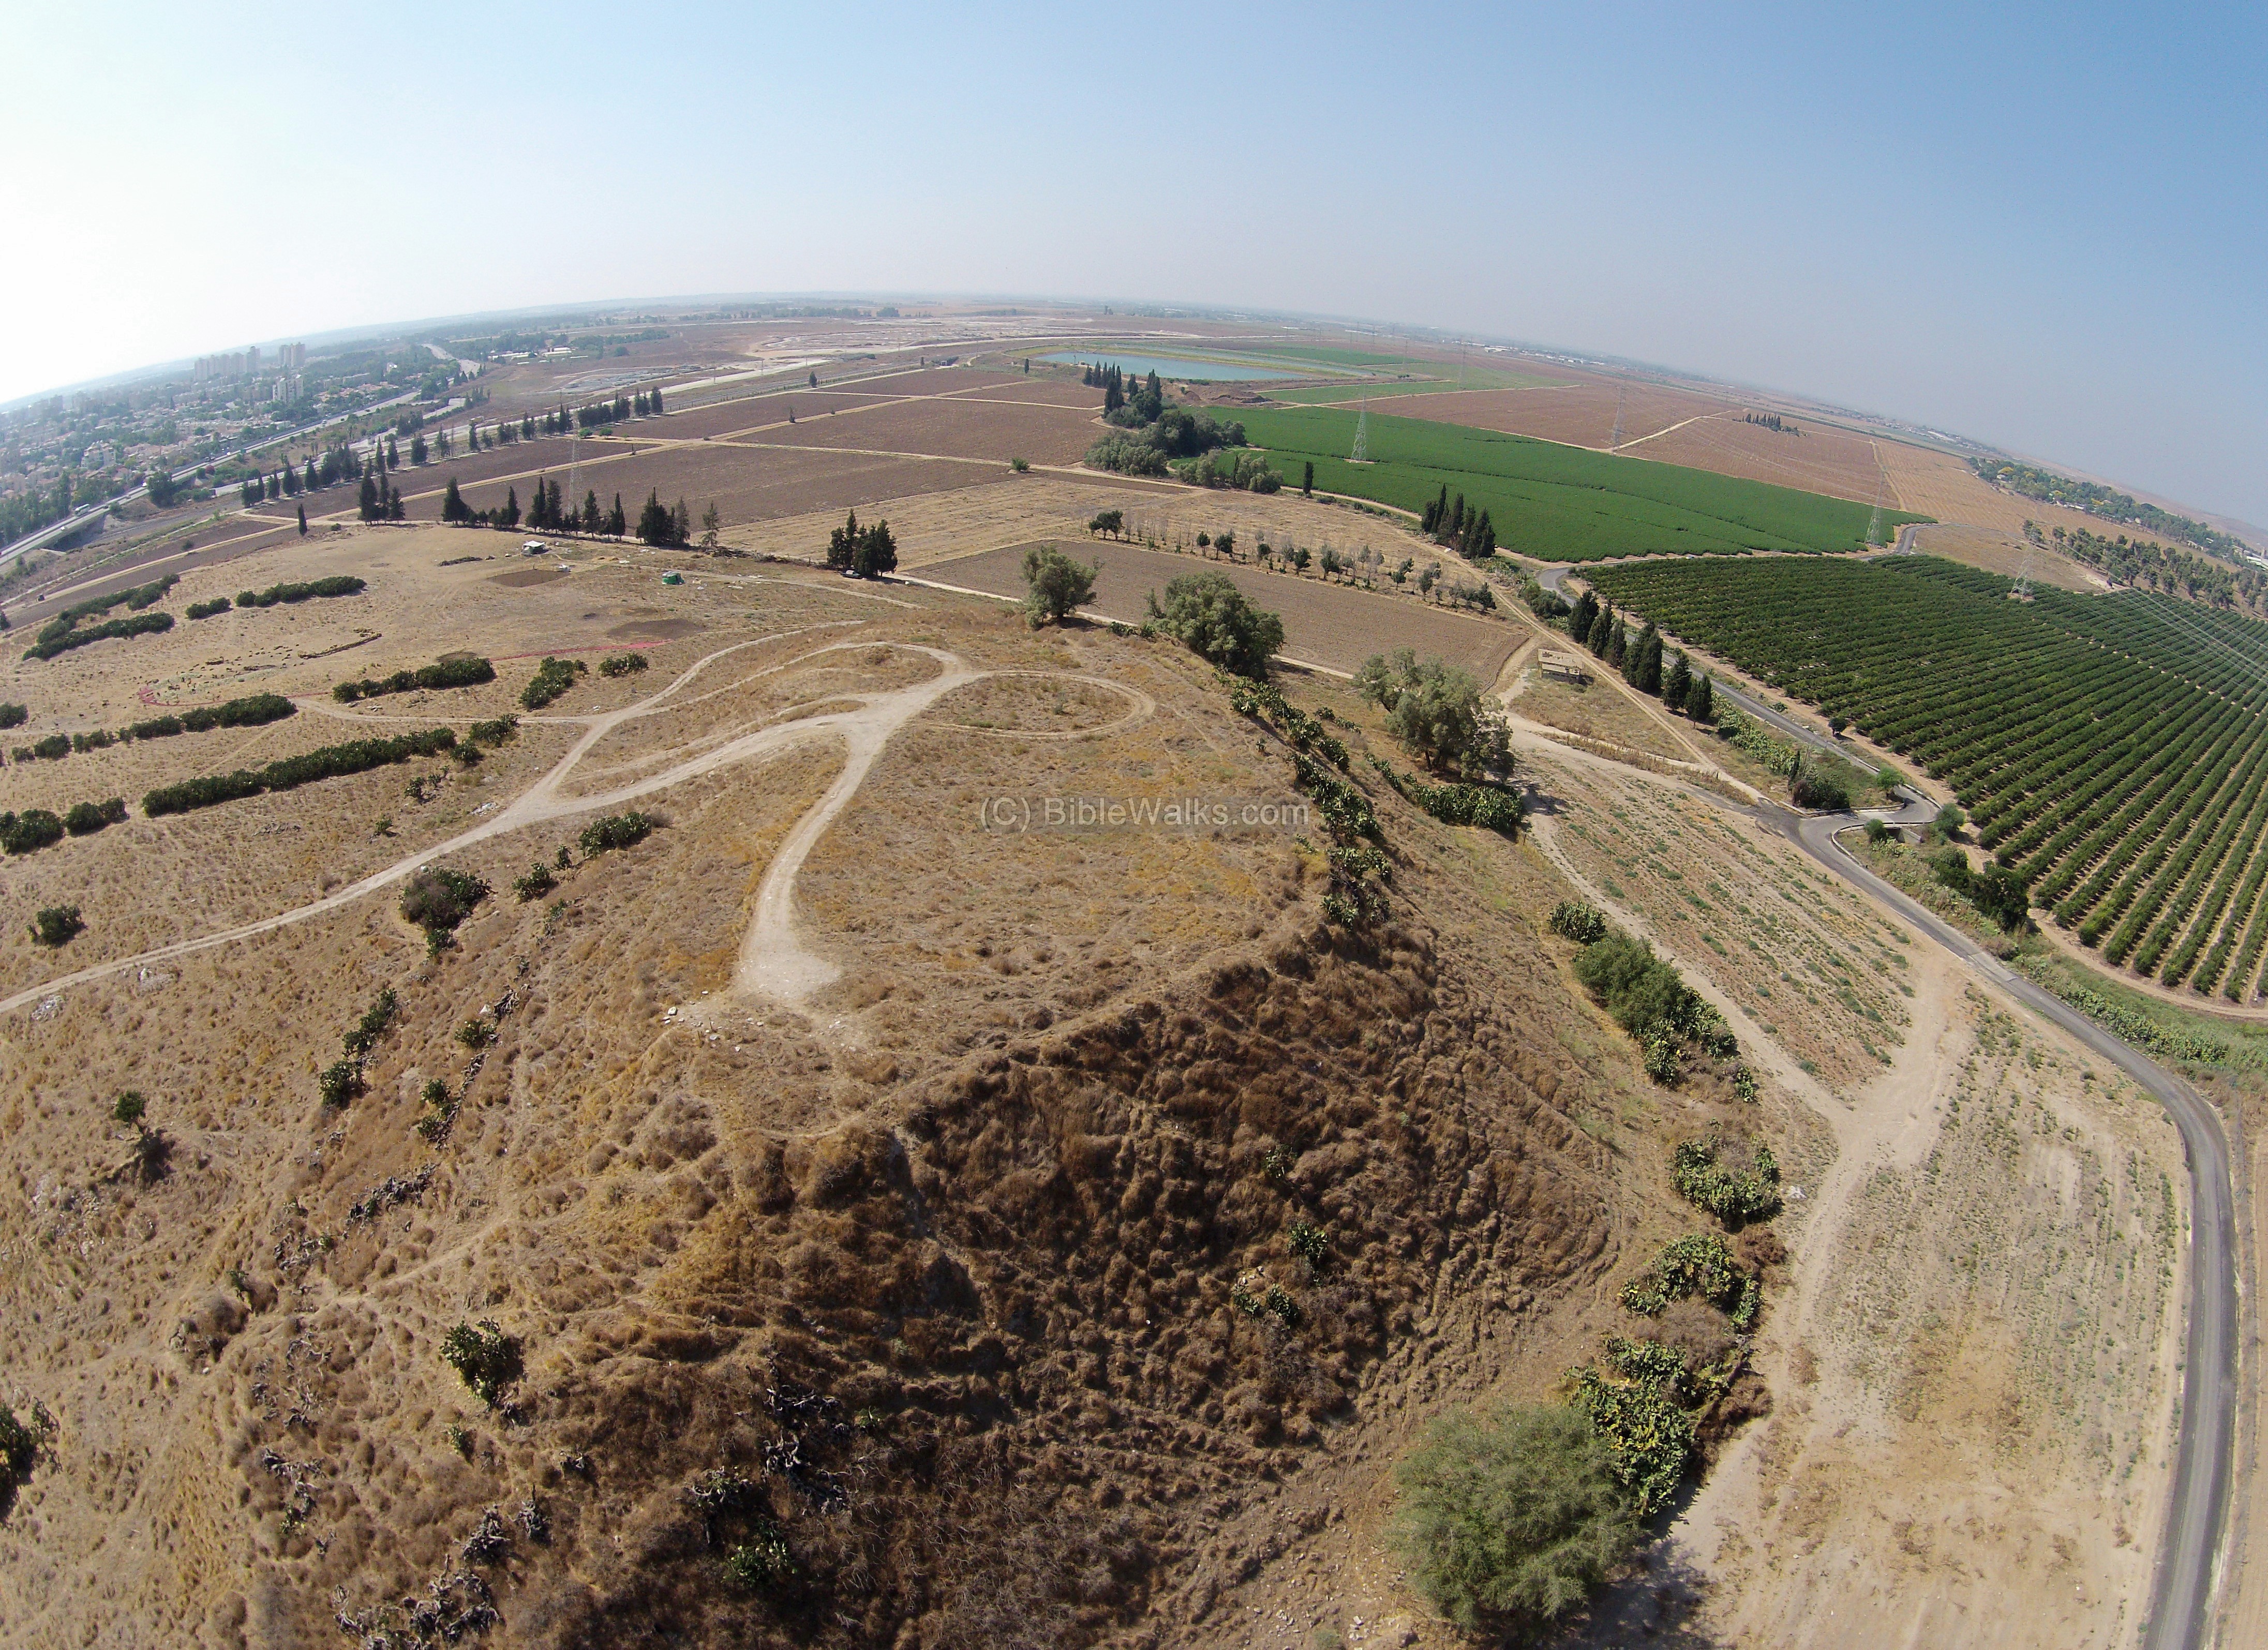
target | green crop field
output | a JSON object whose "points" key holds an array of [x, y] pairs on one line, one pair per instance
{"points": [[1558, 503], [2111, 749]]}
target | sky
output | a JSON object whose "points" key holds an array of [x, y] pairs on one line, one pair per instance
{"points": [[2042, 227]]}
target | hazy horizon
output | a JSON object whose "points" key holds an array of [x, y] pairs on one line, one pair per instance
{"points": [[2038, 229]]}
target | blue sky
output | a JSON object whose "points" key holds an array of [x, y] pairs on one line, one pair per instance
{"points": [[2043, 227]]}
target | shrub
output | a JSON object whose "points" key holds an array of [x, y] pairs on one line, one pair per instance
{"points": [[30, 831], [493, 733], [1694, 1265], [1512, 1514], [49, 646], [486, 1359], [1636, 1411], [52, 747], [438, 900], [1207, 612], [538, 882], [1710, 1177], [359, 1042], [14, 715], [342, 584], [1817, 790], [617, 831], [465, 672], [1308, 1243], [128, 1108], [1580, 923], [86, 818], [58, 925], [101, 739], [477, 1034], [552, 678], [339, 1082], [290, 772], [763, 1563], [1055, 583], [621, 664], [209, 609], [19, 1447]]}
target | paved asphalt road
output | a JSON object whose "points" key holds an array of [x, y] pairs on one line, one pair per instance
{"points": [[2181, 1593], [2181, 1589]]}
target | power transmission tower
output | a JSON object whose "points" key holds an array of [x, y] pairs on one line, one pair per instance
{"points": [[1614, 441], [1874, 525], [2021, 590], [1361, 453]]}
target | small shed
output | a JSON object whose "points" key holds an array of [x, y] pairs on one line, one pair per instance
{"points": [[1565, 667]]}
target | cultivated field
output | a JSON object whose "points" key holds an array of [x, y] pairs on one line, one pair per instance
{"points": [[2110, 749], [1558, 503], [1335, 628]]}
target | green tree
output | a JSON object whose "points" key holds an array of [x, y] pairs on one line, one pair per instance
{"points": [[842, 544], [617, 523], [710, 524], [1676, 681], [1110, 521], [1578, 623], [877, 553], [1307, 479], [655, 525], [1603, 631], [1208, 614], [1949, 821], [1055, 583], [1701, 701], [303, 521], [1437, 711], [1510, 1515], [453, 507]]}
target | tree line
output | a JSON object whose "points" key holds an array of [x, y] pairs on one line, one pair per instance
{"points": [[866, 552], [1638, 655], [1469, 532], [2029, 482]]}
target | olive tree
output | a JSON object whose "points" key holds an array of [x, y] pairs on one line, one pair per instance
{"points": [[1210, 616], [1056, 584], [1437, 711]]}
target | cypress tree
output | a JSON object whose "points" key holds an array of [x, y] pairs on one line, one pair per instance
{"points": [[1457, 518], [1676, 681], [1307, 480], [1618, 645], [368, 504], [617, 523], [1701, 701], [511, 506], [1603, 630], [1649, 668], [654, 398], [1578, 623], [303, 521], [452, 504]]}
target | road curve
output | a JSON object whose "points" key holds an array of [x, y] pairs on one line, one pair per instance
{"points": [[2180, 1591]]}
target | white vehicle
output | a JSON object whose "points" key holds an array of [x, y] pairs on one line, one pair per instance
{"points": [[534, 547]]}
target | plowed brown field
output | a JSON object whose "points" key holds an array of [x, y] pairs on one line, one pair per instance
{"points": [[1819, 460], [989, 429], [1332, 625], [747, 484]]}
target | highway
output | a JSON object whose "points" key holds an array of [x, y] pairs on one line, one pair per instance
{"points": [[2181, 1587]]}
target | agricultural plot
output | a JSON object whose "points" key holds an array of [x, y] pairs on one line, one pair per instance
{"points": [[1558, 503], [2112, 750], [1331, 625]]}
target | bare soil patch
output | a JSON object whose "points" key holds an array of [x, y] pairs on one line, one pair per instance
{"points": [[749, 483], [1998, 551], [526, 577], [986, 429]]}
